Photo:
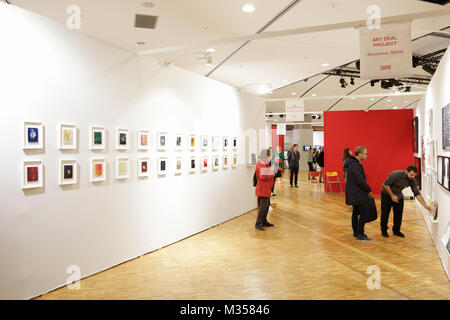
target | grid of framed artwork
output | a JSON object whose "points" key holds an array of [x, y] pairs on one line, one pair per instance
{"points": [[68, 169]]}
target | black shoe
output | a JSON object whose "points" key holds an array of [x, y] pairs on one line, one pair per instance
{"points": [[292, 186], [296, 186], [274, 195], [260, 228], [268, 224], [399, 234], [354, 234], [363, 238], [385, 234]]}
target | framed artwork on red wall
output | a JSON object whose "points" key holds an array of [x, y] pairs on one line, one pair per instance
{"points": [[418, 165], [415, 127]]}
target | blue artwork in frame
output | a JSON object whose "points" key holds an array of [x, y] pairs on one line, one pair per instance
{"points": [[33, 134]]}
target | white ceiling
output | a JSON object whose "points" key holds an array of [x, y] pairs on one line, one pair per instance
{"points": [[269, 61]]}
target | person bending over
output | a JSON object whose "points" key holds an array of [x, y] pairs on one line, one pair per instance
{"points": [[392, 197]]}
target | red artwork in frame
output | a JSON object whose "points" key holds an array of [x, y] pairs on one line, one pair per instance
{"points": [[32, 174]]}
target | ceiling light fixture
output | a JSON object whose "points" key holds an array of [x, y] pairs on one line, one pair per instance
{"points": [[389, 100], [371, 99], [248, 8], [325, 64], [210, 50], [352, 81], [314, 94], [293, 93], [394, 108], [343, 83]]}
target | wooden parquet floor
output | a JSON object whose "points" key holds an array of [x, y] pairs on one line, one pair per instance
{"points": [[309, 254]]}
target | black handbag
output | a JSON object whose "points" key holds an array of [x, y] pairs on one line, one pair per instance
{"points": [[255, 180], [373, 214]]}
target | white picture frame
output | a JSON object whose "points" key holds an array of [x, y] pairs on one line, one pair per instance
{"points": [[204, 165], [97, 168], [67, 136], [33, 137], [162, 141], [68, 171], [122, 139], [234, 143], [234, 160], [179, 141], [215, 143], [216, 162], [432, 155], [225, 161], [162, 166], [192, 164], [122, 167], [32, 174], [204, 143], [143, 167], [143, 140], [97, 137], [178, 165], [192, 142], [225, 143]]}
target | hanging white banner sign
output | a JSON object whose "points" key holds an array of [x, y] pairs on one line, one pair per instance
{"points": [[281, 129], [386, 53], [295, 110]]}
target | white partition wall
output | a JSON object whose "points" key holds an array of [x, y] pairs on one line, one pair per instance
{"points": [[437, 96], [53, 75]]}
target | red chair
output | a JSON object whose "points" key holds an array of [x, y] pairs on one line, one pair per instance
{"points": [[311, 181]]}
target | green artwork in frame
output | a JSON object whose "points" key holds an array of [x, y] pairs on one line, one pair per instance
{"points": [[97, 137]]}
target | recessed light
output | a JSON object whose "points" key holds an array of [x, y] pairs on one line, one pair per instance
{"points": [[293, 93], [325, 64], [148, 4], [389, 100], [394, 108], [248, 8], [406, 102], [353, 98], [285, 80], [210, 50], [371, 99], [314, 94]]}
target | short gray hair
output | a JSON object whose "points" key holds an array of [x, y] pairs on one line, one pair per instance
{"points": [[359, 150]]}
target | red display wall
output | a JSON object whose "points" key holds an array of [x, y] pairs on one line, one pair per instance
{"points": [[277, 140], [387, 134]]}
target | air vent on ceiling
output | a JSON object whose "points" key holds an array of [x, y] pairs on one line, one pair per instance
{"points": [[145, 21]]}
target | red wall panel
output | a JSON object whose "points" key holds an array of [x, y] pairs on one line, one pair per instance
{"points": [[387, 134], [277, 140]]}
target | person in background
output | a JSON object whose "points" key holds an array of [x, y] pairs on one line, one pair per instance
{"points": [[310, 162], [358, 192], [321, 162], [265, 181], [279, 165], [347, 154], [294, 164], [392, 197]]}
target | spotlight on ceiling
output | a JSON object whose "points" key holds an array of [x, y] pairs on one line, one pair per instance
{"points": [[343, 83], [316, 116], [352, 81], [429, 69], [358, 64], [248, 8], [325, 64], [408, 89], [270, 115], [385, 84], [281, 115]]}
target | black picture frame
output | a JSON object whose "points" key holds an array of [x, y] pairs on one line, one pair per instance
{"points": [[444, 171], [415, 134]]}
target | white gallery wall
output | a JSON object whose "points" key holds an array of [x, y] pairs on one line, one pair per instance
{"points": [[437, 96], [52, 75]]}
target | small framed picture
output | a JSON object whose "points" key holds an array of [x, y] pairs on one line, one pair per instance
{"points": [[122, 139], [98, 169], [97, 138], [32, 174], [67, 136], [216, 162], [234, 143], [192, 164], [192, 142], [162, 141], [162, 166], [143, 139], [178, 165], [225, 143], [205, 163], [440, 170], [33, 135], [143, 166], [68, 169], [122, 168], [179, 142], [215, 143], [204, 143], [225, 161], [235, 162]]}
